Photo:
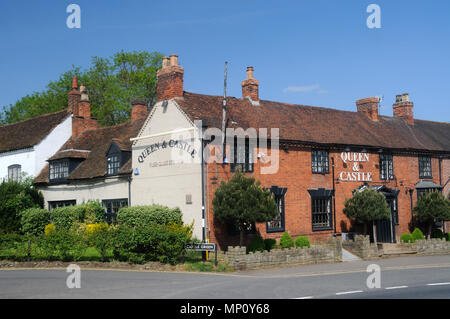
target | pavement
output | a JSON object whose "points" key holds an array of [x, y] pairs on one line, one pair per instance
{"points": [[401, 277]]}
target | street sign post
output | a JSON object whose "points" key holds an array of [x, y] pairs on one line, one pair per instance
{"points": [[203, 247]]}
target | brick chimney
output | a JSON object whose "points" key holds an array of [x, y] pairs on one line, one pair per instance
{"points": [[403, 108], [81, 115], [170, 79], [138, 110], [368, 106], [250, 86], [74, 96]]}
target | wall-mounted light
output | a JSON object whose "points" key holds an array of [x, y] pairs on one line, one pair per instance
{"points": [[136, 171]]}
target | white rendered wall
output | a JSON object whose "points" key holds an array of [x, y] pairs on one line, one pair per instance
{"points": [[101, 189], [162, 182], [25, 158], [52, 143]]}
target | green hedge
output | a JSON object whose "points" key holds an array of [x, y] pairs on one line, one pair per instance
{"points": [[65, 217], [142, 216], [164, 243], [407, 238], [256, 244], [302, 241], [437, 233], [33, 221], [286, 241], [270, 244], [417, 234]]}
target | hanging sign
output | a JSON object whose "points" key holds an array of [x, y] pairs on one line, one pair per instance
{"points": [[354, 160]]}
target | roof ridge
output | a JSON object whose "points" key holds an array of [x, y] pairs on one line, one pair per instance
{"points": [[36, 117]]}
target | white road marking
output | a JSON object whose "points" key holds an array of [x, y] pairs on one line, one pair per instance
{"points": [[348, 292], [439, 284], [398, 287], [307, 297]]}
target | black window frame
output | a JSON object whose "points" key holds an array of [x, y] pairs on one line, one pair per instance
{"points": [[318, 195], [248, 165], [279, 196], [14, 168], [320, 159], [425, 162], [59, 164], [422, 191], [111, 171], [61, 203], [111, 212], [387, 167]]}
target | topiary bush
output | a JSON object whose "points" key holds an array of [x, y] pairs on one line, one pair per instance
{"points": [[447, 236], [407, 238], [417, 234], [33, 221], [437, 233], [302, 241], [142, 216], [256, 244], [286, 241], [270, 244]]}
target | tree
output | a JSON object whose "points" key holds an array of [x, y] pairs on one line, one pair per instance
{"points": [[111, 83], [432, 207], [243, 201], [367, 207], [14, 198]]}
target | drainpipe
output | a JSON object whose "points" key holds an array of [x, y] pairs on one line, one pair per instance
{"points": [[129, 190], [334, 196]]}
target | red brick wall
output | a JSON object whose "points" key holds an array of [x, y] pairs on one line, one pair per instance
{"points": [[295, 173]]}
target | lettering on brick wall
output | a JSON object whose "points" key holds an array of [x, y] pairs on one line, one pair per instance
{"points": [[354, 160]]}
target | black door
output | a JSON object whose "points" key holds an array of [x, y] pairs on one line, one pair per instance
{"points": [[386, 228]]}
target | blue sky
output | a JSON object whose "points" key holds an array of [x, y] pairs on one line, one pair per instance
{"points": [[311, 52]]}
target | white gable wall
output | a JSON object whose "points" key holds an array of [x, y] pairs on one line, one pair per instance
{"points": [[160, 181], [52, 143]]}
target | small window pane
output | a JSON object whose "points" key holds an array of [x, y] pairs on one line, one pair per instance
{"points": [[320, 162]]}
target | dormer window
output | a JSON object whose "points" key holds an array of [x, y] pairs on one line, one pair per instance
{"points": [[113, 163], [59, 169]]}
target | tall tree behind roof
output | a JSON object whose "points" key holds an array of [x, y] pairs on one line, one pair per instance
{"points": [[111, 82]]}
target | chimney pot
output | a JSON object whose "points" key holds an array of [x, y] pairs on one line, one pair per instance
{"points": [[73, 97], [250, 86], [368, 106], [170, 79], [404, 108]]}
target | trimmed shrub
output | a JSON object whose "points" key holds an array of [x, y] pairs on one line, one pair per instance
{"points": [[437, 233], [270, 244], [407, 238], [61, 245], [142, 216], [302, 241], [64, 217], [33, 221], [256, 244], [447, 236], [163, 243], [286, 241], [417, 234]]}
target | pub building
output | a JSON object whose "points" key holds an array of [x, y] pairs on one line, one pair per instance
{"points": [[324, 156]]}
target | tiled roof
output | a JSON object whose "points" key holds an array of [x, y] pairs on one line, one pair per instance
{"points": [[25, 134], [97, 142], [319, 125]]}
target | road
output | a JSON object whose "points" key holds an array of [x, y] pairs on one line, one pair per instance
{"points": [[402, 277]]}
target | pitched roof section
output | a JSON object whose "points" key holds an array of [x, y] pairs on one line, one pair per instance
{"points": [[97, 142], [319, 125], [25, 134]]}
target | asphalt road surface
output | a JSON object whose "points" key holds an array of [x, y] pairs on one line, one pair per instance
{"points": [[402, 277]]}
